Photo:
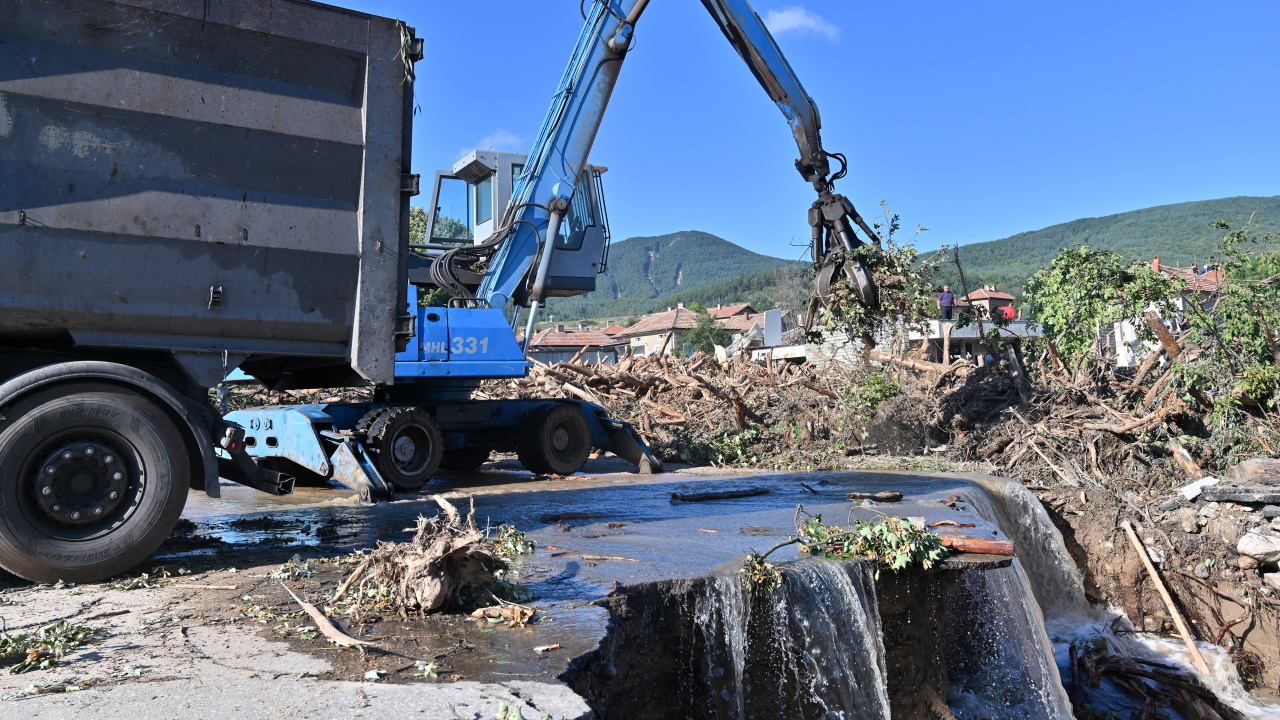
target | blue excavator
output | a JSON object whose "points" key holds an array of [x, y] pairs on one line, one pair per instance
{"points": [[505, 233]]}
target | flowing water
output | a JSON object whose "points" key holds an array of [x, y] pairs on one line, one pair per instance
{"points": [[1058, 588], [812, 649], [834, 642]]}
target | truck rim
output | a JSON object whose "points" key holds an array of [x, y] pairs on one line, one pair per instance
{"points": [[82, 485]]}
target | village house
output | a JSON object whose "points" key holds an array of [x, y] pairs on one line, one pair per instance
{"points": [[991, 302], [1202, 287], [649, 335], [720, 312], [559, 344]]}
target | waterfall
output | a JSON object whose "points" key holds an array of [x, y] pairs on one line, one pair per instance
{"points": [[838, 642], [812, 649], [1000, 659], [1054, 579], [1011, 658]]}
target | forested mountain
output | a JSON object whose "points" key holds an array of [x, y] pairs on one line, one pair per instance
{"points": [[1180, 234], [646, 274], [649, 274]]}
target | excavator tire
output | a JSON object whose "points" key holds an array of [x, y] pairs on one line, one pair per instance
{"points": [[406, 447], [555, 440]]}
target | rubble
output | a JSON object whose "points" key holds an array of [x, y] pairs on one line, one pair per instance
{"points": [[1228, 493], [1263, 548]]}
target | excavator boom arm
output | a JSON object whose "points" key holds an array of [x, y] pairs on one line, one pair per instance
{"points": [[522, 247]]}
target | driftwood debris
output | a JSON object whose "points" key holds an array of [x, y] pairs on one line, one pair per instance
{"points": [[718, 495], [886, 496], [323, 623], [1196, 658], [1154, 685], [985, 546], [447, 555]]}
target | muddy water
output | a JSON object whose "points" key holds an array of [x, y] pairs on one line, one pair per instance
{"points": [[594, 531]]}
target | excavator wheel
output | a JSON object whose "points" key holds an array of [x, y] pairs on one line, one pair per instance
{"points": [[465, 460], [555, 440], [405, 446]]}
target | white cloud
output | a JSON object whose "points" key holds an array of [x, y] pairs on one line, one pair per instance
{"points": [[798, 20], [502, 140]]}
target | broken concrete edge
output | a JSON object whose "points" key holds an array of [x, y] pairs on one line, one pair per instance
{"points": [[1246, 494]]}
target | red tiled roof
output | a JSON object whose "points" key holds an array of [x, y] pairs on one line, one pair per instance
{"points": [[613, 330], [678, 319], [552, 337], [1210, 282], [743, 323], [985, 294], [722, 313]]}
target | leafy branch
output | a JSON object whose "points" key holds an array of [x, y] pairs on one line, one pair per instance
{"points": [[896, 543]]}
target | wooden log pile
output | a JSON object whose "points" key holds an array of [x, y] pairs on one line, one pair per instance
{"points": [[668, 399]]}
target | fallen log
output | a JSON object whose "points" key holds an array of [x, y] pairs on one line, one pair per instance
{"points": [[1196, 658], [886, 496], [995, 447], [922, 365], [1171, 345], [984, 546], [719, 495]]}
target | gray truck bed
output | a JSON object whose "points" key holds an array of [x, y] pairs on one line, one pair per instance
{"points": [[215, 179]]}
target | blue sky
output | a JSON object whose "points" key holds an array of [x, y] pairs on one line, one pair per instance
{"points": [[976, 120]]}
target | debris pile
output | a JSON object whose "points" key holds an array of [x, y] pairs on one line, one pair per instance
{"points": [[699, 409], [1157, 685]]}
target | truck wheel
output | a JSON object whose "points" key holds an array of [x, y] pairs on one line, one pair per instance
{"points": [[465, 460], [407, 447], [555, 440], [93, 478]]}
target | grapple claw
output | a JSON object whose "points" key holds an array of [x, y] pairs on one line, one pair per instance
{"points": [[860, 279]]}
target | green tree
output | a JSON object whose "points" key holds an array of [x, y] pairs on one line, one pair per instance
{"points": [[697, 307], [707, 334], [1237, 333], [446, 228], [1084, 289], [435, 297], [417, 225]]}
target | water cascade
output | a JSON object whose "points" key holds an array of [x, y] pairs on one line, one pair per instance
{"points": [[839, 640]]}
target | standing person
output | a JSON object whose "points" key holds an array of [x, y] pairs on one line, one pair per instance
{"points": [[946, 301]]}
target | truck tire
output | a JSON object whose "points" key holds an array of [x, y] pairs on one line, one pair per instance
{"points": [[406, 447], [555, 440], [465, 460], [93, 478]]}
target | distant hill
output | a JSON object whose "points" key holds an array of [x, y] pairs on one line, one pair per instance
{"points": [[1179, 234], [646, 274]]}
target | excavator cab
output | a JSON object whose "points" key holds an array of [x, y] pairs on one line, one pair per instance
{"points": [[469, 202]]}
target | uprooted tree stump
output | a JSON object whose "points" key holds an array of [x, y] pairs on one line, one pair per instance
{"points": [[447, 557]]}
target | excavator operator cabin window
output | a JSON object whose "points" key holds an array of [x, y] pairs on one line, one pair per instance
{"points": [[573, 230], [453, 212], [484, 200]]}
